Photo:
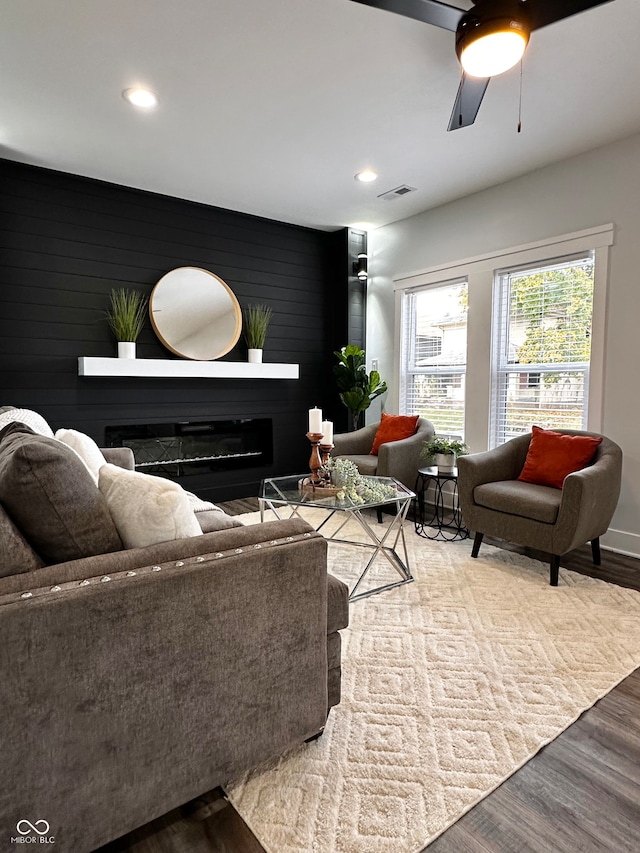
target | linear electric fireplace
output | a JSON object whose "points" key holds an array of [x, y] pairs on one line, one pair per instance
{"points": [[193, 447]]}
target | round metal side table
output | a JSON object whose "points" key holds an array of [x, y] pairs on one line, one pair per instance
{"points": [[446, 519]]}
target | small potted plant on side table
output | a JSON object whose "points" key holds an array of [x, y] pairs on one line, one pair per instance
{"points": [[443, 452]]}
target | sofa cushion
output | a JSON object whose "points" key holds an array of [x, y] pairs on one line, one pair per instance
{"points": [[17, 555], [146, 509], [85, 447], [51, 498], [394, 428], [25, 416], [517, 498], [552, 456]]}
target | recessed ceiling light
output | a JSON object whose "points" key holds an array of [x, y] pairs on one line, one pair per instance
{"points": [[143, 98], [366, 175]]}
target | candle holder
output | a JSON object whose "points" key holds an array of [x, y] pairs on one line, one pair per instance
{"points": [[325, 452], [315, 462]]}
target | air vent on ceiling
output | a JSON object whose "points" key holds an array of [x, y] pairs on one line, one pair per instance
{"points": [[398, 192]]}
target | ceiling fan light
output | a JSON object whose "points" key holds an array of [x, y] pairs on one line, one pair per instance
{"points": [[492, 37], [493, 54]]}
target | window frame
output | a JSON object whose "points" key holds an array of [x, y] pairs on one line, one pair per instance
{"points": [[408, 352], [501, 369], [479, 271]]}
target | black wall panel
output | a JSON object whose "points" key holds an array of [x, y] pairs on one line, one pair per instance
{"points": [[66, 241]]}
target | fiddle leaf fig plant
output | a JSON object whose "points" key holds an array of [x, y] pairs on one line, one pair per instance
{"points": [[356, 387]]}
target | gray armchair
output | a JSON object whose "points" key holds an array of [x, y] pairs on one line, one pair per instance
{"points": [[399, 459], [495, 502]]}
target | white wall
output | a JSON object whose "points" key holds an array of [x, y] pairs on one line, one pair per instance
{"points": [[589, 190]]}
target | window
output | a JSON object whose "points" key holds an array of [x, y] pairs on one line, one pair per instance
{"points": [[542, 346], [434, 355], [533, 348]]}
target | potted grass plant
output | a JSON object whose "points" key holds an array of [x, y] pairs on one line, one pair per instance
{"points": [[443, 452], [126, 316], [256, 323]]}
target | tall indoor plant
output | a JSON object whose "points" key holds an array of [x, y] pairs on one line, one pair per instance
{"points": [[256, 323], [126, 317], [357, 388]]}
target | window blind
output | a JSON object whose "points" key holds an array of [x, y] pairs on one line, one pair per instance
{"points": [[541, 345], [434, 355]]}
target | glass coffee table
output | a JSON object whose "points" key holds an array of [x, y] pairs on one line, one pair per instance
{"points": [[277, 493]]}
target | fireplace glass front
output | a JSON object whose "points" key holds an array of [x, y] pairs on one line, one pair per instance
{"points": [[193, 447]]}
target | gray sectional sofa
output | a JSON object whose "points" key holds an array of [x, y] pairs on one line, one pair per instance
{"points": [[135, 679]]}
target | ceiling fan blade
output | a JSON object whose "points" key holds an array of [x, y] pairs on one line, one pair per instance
{"points": [[543, 12], [428, 11], [470, 94]]}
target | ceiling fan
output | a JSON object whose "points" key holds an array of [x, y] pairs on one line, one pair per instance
{"points": [[491, 37]]}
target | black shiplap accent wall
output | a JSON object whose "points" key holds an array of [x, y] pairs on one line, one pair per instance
{"points": [[66, 241]]}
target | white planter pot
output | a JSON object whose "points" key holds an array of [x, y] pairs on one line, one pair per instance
{"points": [[255, 356], [446, 462], [126, 349]]}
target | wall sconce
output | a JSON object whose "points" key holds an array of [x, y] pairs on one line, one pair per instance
{"points": [[360, 267]]}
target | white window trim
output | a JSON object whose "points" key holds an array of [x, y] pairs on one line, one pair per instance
{"points": [[479, 272]]}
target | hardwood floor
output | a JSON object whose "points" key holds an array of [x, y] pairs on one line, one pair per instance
{"points": [[580, 794]]}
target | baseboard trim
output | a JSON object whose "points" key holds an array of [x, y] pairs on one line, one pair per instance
{"points": [[621, 542]]}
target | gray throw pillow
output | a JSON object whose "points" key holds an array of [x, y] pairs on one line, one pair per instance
{"points": [[17, 555], [51, 498], [211, 520]]}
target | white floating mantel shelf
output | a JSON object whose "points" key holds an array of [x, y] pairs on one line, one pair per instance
{"points": [[176, 368]]}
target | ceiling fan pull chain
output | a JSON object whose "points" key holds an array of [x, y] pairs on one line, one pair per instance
{"points": [[520, 101]]}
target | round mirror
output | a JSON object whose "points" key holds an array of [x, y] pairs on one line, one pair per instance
{"points": [[195, 314]]}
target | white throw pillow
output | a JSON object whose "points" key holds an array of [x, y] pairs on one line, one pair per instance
{"points": [[86, 448], [26, 416], [146, 509]]}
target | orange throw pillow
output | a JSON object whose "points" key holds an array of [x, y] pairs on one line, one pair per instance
{"points": [[394, 428], [552, 456]]}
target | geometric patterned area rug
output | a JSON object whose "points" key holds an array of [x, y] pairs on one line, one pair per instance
{"points": [[449, 685]]}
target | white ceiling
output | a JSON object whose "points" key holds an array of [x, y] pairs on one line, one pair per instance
{"points": [[271, 106]]}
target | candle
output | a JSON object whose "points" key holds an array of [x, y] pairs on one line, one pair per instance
{"points": [[327, 432], [315, 420]]}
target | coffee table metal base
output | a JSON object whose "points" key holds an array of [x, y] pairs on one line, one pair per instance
{"points": [[393, 534]]}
